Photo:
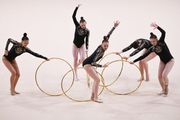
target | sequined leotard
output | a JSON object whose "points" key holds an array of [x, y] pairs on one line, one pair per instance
{"points": [[144, 44], [161, 49], [80, 33], [97, 54], [17, 49]]}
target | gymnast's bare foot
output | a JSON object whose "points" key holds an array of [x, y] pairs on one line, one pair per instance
{"points": [[12, 92], [147, 78], [16, 92], [98, 100], [141, 79], [92, 96]]}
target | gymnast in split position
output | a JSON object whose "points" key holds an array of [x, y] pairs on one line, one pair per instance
{"points": [[81, 37], [140, 44], [90, 62], [9, 61], [166, 59]]}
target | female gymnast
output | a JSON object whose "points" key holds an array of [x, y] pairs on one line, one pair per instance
{"points": [[81, 36], [139, 45], [166, 59], [91, 61], [10, 62]]}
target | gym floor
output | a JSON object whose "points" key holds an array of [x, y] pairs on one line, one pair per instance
{"points": [[50, 29]]}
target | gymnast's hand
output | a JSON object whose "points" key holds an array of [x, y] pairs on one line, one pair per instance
{"points": [[116, 23], [118, 53], [126, 58], [47, 59], [105, 65], [6, 52], [154, 25], [131, 62], [79, 5]]}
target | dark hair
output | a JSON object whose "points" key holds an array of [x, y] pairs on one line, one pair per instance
{"points": [[153, 36], [105, 39], [135, 44], [25, 37], [82, 20]]}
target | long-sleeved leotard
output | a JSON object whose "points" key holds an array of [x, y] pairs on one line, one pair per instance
{"points": [[80, 33], [17, 49], [144, 44], [97, 54], [161, 49]]}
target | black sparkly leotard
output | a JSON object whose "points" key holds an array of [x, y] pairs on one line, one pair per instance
{"points": [[17, 49], [161, 49], [80, 34], [144, 44], [97, 54]]}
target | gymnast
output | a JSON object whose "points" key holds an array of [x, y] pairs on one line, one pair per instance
{"points": [[90, 62], [81, 36], [9, 61], [140, 44], [166, 59]]}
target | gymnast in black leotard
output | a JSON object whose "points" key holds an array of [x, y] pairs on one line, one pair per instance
{"points": [[81, 37], [166, 59], [98, 53], [10, 62], [89, 62], [17, 49], [139, 45]]}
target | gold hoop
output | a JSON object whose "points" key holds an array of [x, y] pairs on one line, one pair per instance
{"points": [[37, 80], [127, 93], [87, 76], [76, 100], [110, 63]]}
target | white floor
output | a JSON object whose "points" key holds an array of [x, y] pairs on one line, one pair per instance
{"points": [[50, 29]]}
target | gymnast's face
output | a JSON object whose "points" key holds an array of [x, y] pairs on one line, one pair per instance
{"points": [[153, 41], [25, 43], [83, 25], [105, 45]]}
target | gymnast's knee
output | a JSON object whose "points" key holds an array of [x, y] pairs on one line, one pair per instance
{"points": [[17, 74], [164, 76], [97, 80], [160, 77], [143, 61], [81, 60]]}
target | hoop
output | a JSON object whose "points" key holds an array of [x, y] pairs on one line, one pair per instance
{"points": [[140, 82], [87, 76], [109, 64], [76, 100], [36, 80]]}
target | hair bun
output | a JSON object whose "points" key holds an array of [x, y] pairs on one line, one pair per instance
{"points": [[151, 34], [105, 38], [82, 18], [25, 35]]}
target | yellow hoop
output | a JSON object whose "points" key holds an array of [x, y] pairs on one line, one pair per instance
{"points": [[102, 80], [140, 82], [37, 80], [87, 76], [110, 63]]}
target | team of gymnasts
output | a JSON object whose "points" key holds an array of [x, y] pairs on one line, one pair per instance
{"points": [[151, 47]]}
